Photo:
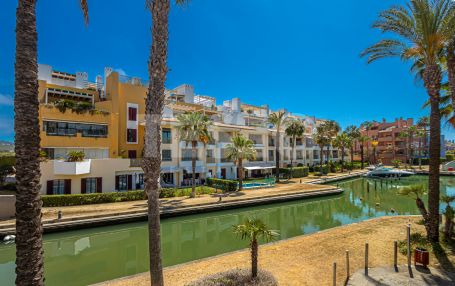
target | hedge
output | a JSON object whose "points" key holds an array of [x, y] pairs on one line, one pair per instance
{"points": [[325, 169], [225, 185], [102, 198], [297, 172]]}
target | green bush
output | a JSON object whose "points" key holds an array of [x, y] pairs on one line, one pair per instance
{"points": [[225, 185], [75, 156], [449, 157], [6, 166], [325, 169], [297, 172], [102, 198]]}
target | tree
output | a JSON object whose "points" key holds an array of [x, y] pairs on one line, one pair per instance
{"points": [[240, 148], [321, 139], [449, 214], [362, 140], [421, 30], [29, 230], [418, 191], [353, 133], [424, 123], [405, 136], [254, 229], [421, 135], [154, 103], [6, 167], [193, 128], [331, 129], [277, 119], [294, 129], [342, 141], [367, 125]]}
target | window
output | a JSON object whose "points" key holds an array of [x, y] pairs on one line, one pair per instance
{"points": [[131, 135], [132, 154], [271, 155], [123, 182], [299, 142], [54, 128], [50, 154], [140, 182], [167, 178], [58, 187], [166, 155], [166, 136], [299, 155], [209, 156], [259, 155], [132, 113], [187, 155], [91, 185], [315, 154]]}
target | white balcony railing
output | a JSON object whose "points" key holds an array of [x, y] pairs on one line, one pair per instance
{"points": [[72, 168]]}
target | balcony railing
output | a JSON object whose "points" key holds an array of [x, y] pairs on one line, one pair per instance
{"points": [[226, 160], [136, 162], [210, 160]]}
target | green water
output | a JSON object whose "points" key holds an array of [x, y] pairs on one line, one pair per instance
{"points": [[93, 255]]}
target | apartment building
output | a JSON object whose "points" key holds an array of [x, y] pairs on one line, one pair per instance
{"points": [[105, 120], [390, 145]]}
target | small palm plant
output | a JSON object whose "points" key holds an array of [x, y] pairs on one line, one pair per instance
{"points": [[75, 156], [417, 191], [294, 129], [193, 128], [254, 229], [449, 214], [238, 150]]}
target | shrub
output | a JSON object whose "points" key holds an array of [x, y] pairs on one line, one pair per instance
{"points": [[297, 172], [299, 165], [78, 107], [325, 169], [75, 156], [64, 104], [184, 192], [225, 185], [6, 167], [237, 277], [396, 163], [81, 107]]}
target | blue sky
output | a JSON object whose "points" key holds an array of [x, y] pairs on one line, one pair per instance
{"points": [[302, 55]]}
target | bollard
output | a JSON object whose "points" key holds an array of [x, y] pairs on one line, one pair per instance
{"points": [[395, 254], [59, 215], [409, 244], [334, 274], [366, 259], [347, 265]]}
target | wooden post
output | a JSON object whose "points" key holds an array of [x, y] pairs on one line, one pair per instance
{"points": [[347, 265], [366, 258], [395, 254], [334, 274], [409, 244]]}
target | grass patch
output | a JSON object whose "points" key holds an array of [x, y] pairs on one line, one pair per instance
{"points": [[237, 277]]}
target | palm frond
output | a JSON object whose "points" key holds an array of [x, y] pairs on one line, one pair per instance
{"points": [[84, 8]]}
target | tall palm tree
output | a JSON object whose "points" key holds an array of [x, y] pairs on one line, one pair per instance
{"points": [[193, 128], [362, 141], [353, 133], [331, 129], [154, 103], [277, 119], [342, 141], [421, 135], [421, 30], [240, 148], [367, 125], [424, 123], [254, 229], [405, 136], [321, 139], [294, 129], [29, 230]]}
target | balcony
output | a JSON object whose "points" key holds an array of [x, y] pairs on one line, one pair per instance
{"points": [[72, 168], [210, 160], [135, 163]]}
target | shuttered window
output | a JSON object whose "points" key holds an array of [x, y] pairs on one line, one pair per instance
{"points": [[91, 185]]}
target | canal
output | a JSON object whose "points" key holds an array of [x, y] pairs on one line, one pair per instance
{"points": [[93, 255]]}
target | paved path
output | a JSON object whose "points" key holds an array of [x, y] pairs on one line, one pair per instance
{"points": [[387, 276]]}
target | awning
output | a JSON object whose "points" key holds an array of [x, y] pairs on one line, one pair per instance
{"points": [[169, 169], [259, 167], [199, 169]]}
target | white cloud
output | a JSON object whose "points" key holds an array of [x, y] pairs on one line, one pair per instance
{"points": [[6, 99]]}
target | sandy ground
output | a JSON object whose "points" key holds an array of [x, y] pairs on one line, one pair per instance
{"points": [[285, 187], [308, 259]]}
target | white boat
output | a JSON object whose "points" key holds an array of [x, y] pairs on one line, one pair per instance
{"points": [[383, 172], [372, 167]]}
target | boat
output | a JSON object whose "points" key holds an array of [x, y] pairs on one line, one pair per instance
{"points": [[372, 167], [383, 172]]}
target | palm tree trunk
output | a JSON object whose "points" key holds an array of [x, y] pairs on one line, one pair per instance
{"points": [[451, 71], [361, 156], [321, 153], [432, 80], [277, 155], [420, 153], [254, 258], [352, 154], [328, 154], [292, 155], [157, 69], [342, 159], [193, 168], [29, 230], [240, 175]]}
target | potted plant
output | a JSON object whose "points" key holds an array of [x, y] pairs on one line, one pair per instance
{"points": [[421, 256]]}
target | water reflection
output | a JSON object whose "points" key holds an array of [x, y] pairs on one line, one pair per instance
{"points": [[93, 255]]}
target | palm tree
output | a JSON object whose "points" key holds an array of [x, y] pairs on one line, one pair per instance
{"points": [[367, 125], [321, 139], [193, 128], [405, 136], [362, 140], [29, 230], [154, 103], [332, 128], [421, 31], [240, 149], [449, 214], [353, 133], [421, 135], [342, 141], [294, 129], [277, 119], [424, 123], [254, 229], [418, 191]]}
